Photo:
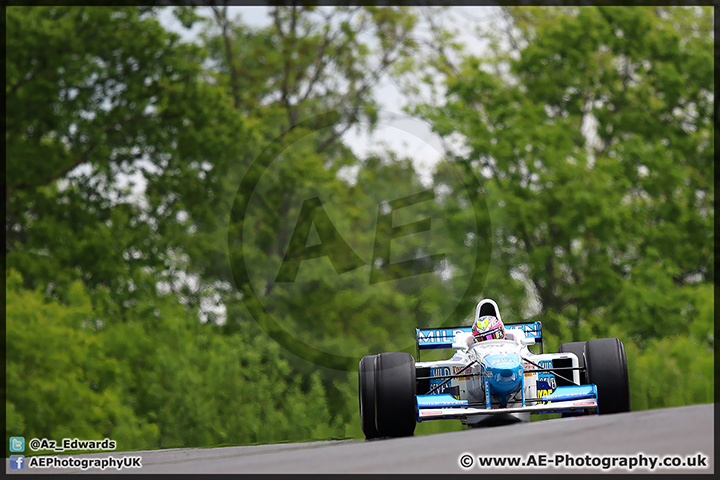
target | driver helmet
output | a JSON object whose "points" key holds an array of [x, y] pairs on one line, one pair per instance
{"points": [[488, 327]]}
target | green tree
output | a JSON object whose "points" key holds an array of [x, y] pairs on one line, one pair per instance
{"points": [[96, 95], [592, 133], [97, 99], [158, 380], [57, 372], [304, 81], [102, 97]]}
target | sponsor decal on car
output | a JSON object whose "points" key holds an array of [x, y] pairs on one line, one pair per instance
{"points": [[447, 387], [437, 336], [425, 413], [434, 382], [430, 403], [542, 392], [458, 370], [501, 362], [532, 330], [546, 383]]}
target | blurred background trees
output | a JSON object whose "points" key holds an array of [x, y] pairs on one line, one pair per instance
{"points": [[584, 134], [592, 129]]}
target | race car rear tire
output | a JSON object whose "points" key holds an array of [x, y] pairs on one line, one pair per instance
{"points": [[395, 404], [578, 348], [366, 394], [607, 368]]}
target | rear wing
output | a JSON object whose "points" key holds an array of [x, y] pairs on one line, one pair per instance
{"points": [[434, 338]]}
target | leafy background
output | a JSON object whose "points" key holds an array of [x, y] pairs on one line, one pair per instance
{"points": [[589, 131]]}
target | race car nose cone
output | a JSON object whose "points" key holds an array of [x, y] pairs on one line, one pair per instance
{"points": [[503, 374]]}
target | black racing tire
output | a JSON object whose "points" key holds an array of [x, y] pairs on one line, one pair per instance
{"points": [[578, 348], [395, 404], [366, 393], [607, 369]]}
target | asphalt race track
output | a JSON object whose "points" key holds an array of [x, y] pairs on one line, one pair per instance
{"points": [[682, 431]]}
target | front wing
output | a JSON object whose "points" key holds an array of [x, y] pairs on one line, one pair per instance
{"points": [[563, 399]]}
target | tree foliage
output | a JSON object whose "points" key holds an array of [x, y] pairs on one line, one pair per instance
{"points": [[606, 210], [592, 131]]}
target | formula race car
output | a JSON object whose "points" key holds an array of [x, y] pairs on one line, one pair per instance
{"points": [[490, 382]]}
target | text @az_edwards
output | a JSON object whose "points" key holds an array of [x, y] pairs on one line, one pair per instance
{"points": [[70, 444]]}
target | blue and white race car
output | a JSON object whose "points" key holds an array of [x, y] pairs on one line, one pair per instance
{"points": [[491, 381]]}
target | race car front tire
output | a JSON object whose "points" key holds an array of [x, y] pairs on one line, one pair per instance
{"points": [[607, 369], [395, 404], [366, 394]]}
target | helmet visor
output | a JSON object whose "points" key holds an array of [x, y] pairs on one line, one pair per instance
{"points": [[494, 334]]}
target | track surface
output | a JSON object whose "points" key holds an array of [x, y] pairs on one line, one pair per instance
{"points": [[681, 431]]}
